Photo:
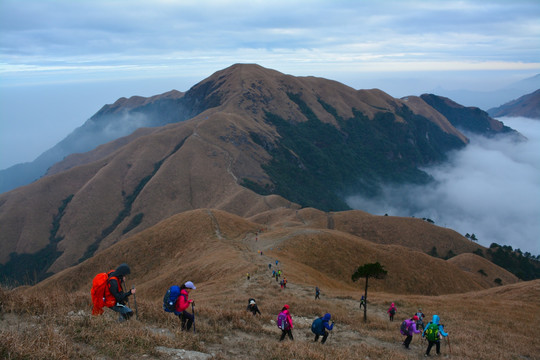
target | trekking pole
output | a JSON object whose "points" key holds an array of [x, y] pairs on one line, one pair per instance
{"points": [[193, 310], [124, 286], [135, 303], [449, 347]]}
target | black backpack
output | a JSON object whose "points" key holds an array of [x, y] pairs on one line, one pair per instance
{"points": [[404, 329]]}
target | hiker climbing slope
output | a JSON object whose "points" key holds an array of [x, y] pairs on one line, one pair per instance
{"points": [[115, 281], [183, 303], [285, 323], [433, 333], [392, 310], [252, 306], [408, 328], [320, 325]]}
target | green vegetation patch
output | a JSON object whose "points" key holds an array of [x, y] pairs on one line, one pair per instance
{"points": [[316, 164]]}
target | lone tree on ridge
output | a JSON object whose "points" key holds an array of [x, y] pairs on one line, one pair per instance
{"points": [[374, 270]]}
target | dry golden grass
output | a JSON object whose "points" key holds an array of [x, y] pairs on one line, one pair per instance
{"points": [[216, 249], [481, 325]]}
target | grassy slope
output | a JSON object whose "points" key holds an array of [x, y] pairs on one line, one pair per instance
{"points": [[216, 249]]}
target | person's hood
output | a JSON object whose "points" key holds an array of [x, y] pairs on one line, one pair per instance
{"points": [[435, 319], [327, 317], [122, 270]]}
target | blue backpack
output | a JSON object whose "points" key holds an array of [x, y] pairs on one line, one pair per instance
{"points": [[170, 298], [317, 327]]}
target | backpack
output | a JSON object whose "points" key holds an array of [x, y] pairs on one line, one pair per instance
{"points": [[393, 311], [170, 298], [404, 329], [317, 327], [99, 292], [432, 332], [282, 321]]}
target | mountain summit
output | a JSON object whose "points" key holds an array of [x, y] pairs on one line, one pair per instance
{"points": [[246, 140]]}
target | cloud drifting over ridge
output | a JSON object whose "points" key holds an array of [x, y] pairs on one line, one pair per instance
{"points": [[491, 188]]}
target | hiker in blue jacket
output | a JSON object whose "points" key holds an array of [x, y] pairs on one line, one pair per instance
{"points": [[319, 327], [433, 333]]}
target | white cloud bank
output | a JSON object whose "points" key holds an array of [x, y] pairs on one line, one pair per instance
{"points": [[491, 188]]}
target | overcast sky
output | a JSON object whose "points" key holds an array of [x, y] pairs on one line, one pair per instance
{"points": [[62, 60]]}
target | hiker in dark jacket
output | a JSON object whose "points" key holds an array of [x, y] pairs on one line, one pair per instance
{"points": [[420, 322], [363, 302], [434, 337], [183, 303], [317, 293], [115, 283], [252, 306], [411, 329], [319, 330]]}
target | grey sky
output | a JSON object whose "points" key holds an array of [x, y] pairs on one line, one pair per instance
{"points": [[47, 41]]}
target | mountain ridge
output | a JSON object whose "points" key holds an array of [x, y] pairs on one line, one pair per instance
{"points": [[253, 129]]}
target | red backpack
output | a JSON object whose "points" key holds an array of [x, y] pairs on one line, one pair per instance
{"points": [[101, 295]]}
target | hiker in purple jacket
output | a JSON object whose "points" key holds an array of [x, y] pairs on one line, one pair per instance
{"points": [[409, 330]]}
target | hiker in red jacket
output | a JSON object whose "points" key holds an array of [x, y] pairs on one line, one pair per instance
{"points": [[116, 293], [286, 329], [183, 303]]}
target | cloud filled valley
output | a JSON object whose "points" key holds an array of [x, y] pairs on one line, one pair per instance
{"points": [[491, 189]]}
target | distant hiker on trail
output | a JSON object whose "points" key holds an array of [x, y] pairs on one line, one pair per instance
{"points": [[284, 282], [408, 328], [281, 284], [319, 327], [269, 266], [392, 311], [119, 297], [277, 262], [279, 273], [420, 322], [183, 303], [285, 323], [433, 333], [252, 306], [317, 293], [248, 277], [363, 302]]}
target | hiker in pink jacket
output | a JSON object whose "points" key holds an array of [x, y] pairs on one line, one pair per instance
{"points": [[286, 328], [392, 311], [182, 305], [408, 329]]}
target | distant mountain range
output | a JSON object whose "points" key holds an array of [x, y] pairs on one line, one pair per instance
{"points": [[525, 106], [247, 140], [489, 99]]}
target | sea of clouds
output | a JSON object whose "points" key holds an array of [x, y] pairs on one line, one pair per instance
{"points": [[491, 188]]}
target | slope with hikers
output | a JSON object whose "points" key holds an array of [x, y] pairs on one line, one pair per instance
{"points": [[108, 291]]}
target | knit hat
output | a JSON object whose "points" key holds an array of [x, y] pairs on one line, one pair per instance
{"points": [[286, 306], [415, 318], [189, 285]]}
